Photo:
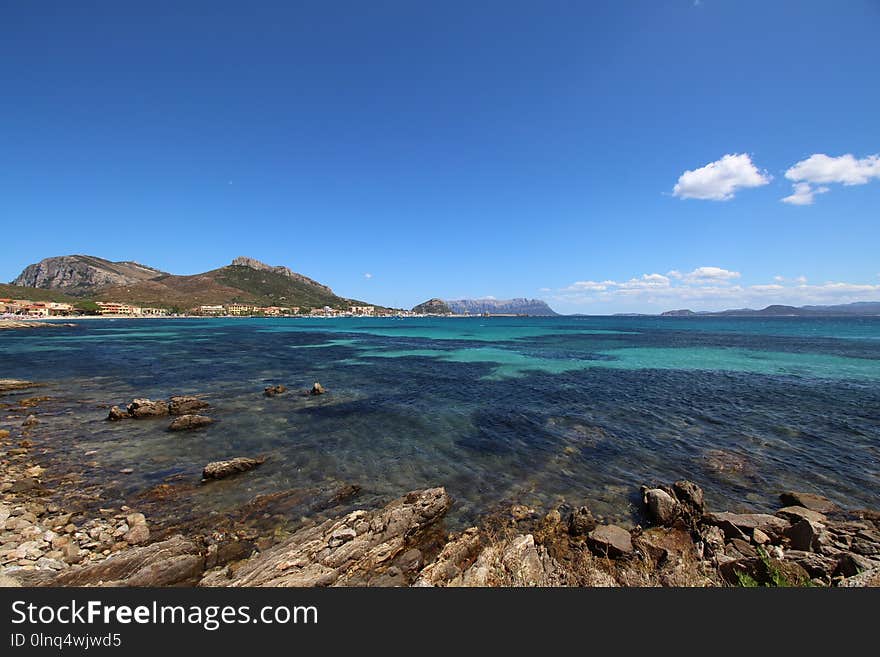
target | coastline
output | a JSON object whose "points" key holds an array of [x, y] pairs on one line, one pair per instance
{"points": [[50, 538]]}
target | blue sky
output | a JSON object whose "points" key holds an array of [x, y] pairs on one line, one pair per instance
{"points": [[455, 149]]}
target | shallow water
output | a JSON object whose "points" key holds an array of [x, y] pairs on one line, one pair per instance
{"points": [[533, 410]]}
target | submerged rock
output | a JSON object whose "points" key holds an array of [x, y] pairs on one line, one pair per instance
{"points": [[189, 422], [271, 391], [185, 404], [7, 385], [117, 413], [317, 389], [222, 469]]}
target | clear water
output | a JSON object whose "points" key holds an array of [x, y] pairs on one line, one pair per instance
{"points": [[532, 410]]}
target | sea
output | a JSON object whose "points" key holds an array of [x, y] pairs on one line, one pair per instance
{"points": [[500, 410]]}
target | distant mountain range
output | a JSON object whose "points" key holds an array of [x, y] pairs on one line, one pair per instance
{"points": [[865, 308], [534, 307], [245, 280]]}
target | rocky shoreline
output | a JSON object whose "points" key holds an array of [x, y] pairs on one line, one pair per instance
{"points": [[48, 539]]}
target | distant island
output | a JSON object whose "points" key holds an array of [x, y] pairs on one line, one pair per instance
{"points": [[865, 308]]}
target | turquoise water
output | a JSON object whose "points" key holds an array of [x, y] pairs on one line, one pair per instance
{"points": [[532, 410]]}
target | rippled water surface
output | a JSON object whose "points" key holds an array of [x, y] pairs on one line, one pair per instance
{"points": [[495, 409]]}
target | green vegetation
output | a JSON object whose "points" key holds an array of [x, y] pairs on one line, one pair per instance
{"points": [[775, 576]]}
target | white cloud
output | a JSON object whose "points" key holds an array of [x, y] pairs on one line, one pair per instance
{"points": [[803, 194], [820, 169], [720, 180], [845, 169], [368, 275], [706, 275], [708, 288]]}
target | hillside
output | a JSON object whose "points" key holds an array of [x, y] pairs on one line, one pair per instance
{"points": [[80, 275], [520, 306], [245, 281]]}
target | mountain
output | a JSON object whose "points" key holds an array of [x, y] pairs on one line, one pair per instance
{"points": [[82, 274], [432, 307], [500, 307], [859, 308], [245, 280]]}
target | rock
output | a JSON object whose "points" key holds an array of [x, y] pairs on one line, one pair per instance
{"points": [[744, 548], [759, 537], [185, 405], [456, 557], [133, 519], [117, 413], [816, 565], [809, 501], [136, 535], [141, 408], [689, 494], [221, 469], [71, 553], [4, 433], [581, 522], [662, 507], [7, 385], [30, 421], [746, 523], [517, 561], [317, 389], [796, 513], [521, 512], [7, 582], [611, 541], [126, 471], [24, 484], [189, 422], [271, 391], [672, 556], [381, 546], [804, 535], [868, 578], [849, 564], [165, 563]]}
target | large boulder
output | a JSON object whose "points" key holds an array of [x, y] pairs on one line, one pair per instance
{"points": [[189, 422], [141, 408], [661, 506], [185, 405], [363, 548], [222, 469], [117, 413], [610, 541], [581, 522], [764, 571]]}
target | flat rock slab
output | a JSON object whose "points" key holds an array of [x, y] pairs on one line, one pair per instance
{"points": [[363, 548], [798, 513], [610, 540], [809, 501], [748, 522], [173, 561]]}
